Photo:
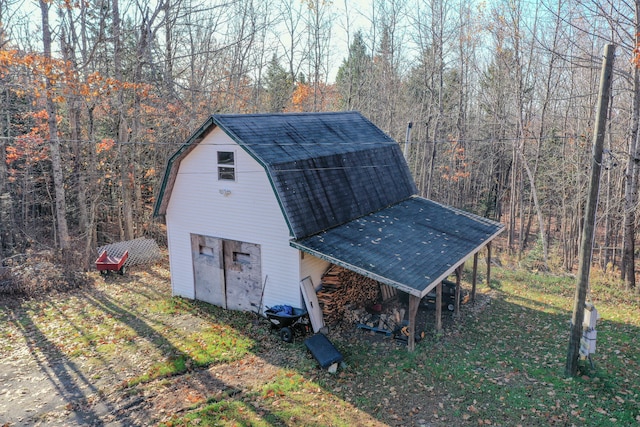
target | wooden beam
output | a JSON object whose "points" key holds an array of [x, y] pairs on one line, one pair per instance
{"points": [[439, 308], [414, 302], [474, 277], [456, 309], [489, 264]]}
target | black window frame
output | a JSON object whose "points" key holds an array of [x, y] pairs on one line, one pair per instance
{"points": [[226, 165]]}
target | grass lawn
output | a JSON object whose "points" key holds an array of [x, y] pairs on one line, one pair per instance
{"points": [[176, 362]]}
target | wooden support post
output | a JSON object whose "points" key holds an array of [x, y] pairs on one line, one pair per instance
{"points": [[414, 302], [474, 277], [439, 308], [456, 309], [489, 264]]}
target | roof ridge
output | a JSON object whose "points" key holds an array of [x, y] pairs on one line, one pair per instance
{"points": [[291, 113]]}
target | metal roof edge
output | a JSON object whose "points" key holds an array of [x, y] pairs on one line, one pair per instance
{"points": [[269, 173], [291, 113], [379, 130]]}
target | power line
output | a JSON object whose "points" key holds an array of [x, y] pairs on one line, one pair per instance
{"points": [[315, 144]]}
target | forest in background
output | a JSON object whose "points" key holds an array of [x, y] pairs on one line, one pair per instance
{"points": [[95, 95]]}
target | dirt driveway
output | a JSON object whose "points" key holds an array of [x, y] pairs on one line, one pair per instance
{"points": [[36, 393]]}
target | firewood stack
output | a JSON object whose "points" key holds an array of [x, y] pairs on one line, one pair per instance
{"points": [[343, 289]]}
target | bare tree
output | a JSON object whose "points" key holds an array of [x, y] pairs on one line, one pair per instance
{"points": [[291, 14], [319, 19], [78, 46], [63, 238], [632, 169]]}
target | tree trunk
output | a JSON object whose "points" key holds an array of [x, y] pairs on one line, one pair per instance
{"points": [[91, 238], [64, 240], [123, 134], [631, 175], [513, 198], [6, 215], [74, 116], [534, 194], [605, 259]]}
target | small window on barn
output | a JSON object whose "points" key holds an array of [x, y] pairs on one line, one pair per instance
{"points": [[206, 250], [242, 258], [226, 166]]}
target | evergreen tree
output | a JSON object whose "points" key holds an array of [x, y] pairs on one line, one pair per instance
{"points": [[278, 85], [353, 75]]}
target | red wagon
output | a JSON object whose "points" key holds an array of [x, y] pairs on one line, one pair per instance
{"points": [[107, 263]]}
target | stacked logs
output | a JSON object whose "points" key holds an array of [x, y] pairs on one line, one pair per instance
{"points": [[343, 289]]}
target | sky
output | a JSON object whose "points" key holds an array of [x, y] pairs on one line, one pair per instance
{"points": [[351, 14]]}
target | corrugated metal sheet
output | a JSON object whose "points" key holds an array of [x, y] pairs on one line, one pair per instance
{"points": [[411, 245]]}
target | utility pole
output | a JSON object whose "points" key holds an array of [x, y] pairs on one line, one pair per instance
{"points": [[586, 243]]}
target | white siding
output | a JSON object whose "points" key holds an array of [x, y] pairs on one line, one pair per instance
{"points": [[248, 213], [313, 267]]}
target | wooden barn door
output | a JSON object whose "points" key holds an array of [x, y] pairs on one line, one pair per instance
{"points": [[243, 275], [208, 269], [227, 273]]}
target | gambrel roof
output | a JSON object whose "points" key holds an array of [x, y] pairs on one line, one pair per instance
{"points": [[347, 196], [326, 168]]}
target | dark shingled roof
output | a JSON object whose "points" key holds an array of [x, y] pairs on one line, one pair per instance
{"points": [[412, 245], [326, 168]]}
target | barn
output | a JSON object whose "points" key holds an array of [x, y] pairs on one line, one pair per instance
{"points": [[255, 203]]}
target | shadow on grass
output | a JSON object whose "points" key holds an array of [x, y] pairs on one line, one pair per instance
{"points": [[215, 392], [69, 358], [180, 362], [67, 379]]}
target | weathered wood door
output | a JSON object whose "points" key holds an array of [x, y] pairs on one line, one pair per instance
{"points": [[208, 269], [227, 273], [243, 275]]}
